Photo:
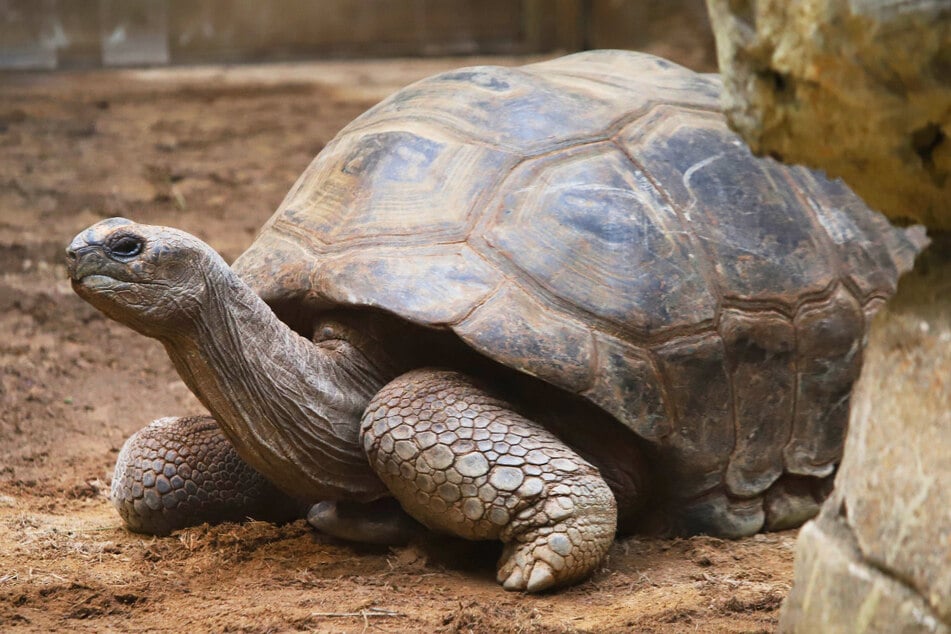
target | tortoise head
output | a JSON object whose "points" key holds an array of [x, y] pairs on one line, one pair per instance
{"points": [[153, 279]]}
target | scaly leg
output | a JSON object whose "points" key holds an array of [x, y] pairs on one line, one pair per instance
{"points": [[461, 461], [179, 472]]}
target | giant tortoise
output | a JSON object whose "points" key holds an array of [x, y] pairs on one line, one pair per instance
{"points": [[535, 304]]}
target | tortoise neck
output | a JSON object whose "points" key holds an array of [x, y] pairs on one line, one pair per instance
{"points": [[291, 408]]}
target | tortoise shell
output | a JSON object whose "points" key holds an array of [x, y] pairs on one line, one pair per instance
{"points": [[593, 222]]}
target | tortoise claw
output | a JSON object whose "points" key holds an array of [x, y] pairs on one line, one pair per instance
{"points": [[514, 581], [541, 577]]}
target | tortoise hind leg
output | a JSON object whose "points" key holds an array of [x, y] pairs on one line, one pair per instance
{"points": [[793, 500], [462, 462], [381, 521], [179, 472], [787, 503]]}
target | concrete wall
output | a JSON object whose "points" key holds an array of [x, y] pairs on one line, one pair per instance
{"points": [[49, 34]]}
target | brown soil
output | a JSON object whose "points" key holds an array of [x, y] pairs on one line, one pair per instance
{"points": [[213, 151]]}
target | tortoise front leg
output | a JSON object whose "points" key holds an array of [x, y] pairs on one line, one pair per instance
{"points": [[179, 472], [461, 461]]}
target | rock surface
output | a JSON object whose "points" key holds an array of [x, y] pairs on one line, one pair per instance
{"points": [[836, 591], [860, 88], [878, 559]]}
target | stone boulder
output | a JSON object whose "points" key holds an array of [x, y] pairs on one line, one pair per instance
{"points": [[859, 88]]}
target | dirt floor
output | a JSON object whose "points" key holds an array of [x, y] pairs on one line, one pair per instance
{"points": [[213, 151]]}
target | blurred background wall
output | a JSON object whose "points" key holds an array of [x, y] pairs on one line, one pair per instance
{"points": [[58, 34]]}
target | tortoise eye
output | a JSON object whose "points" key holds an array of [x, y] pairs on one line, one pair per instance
{"points": [[126, 247]]}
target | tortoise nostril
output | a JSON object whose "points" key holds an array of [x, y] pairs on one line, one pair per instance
{"points": [[70, 254]]}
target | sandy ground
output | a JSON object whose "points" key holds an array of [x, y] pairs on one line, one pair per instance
{"points": [[213, 151]]}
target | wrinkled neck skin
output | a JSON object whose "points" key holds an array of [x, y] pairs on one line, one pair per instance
{"points": [[291, 407]]}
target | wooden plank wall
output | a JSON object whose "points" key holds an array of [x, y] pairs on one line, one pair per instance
{"points": [[83, 33]]}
